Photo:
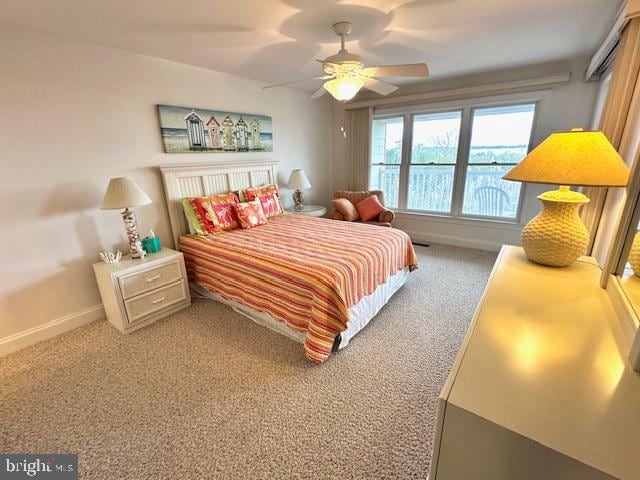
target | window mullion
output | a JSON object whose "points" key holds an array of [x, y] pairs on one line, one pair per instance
{"points": [[407, 138], [462, 159]]}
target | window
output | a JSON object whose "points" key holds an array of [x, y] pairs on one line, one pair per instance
{"points": [[434, 151], [456, 160], [386, 156], [499, 140]]}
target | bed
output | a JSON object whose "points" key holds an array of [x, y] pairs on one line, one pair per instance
{"points": [[315, 280]]}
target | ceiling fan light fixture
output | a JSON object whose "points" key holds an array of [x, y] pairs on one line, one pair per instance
{"points": [[346, 73], [344, 89]]}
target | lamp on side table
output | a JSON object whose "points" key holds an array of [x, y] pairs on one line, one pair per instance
{"points": [[123, 192], [300, 182]]}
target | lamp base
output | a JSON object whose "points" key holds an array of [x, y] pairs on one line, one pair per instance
{"points": [[556, 237], [298, 198], [133, 234]]}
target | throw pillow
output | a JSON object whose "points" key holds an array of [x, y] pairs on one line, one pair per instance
{"points": [[214, 220], [222, 215], [346, 208], [240, 195], [192, 218], [269, 198], [369, 208], [271, 204], [251, 193], [250, 214]]}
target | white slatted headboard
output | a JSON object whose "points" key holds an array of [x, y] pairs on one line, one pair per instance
{"points": [[203, 179]]}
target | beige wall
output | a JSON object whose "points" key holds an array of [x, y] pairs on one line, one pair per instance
{"points": [[564, 107], [74, 114]]}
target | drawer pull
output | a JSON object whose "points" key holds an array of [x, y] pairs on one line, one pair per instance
{"points": [[153, 279], [158, 300]]}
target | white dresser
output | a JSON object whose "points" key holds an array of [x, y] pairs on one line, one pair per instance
{"points": [[542, 387], [136, 293]]}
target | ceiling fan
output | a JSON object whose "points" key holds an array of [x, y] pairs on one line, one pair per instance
{"points": [[345, 73]]}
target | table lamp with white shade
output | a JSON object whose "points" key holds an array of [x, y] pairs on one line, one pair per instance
{"points": [[123, 192], [299, 181], [557, 236]]}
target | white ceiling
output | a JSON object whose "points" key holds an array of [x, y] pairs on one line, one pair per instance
{"points": [[277, 40]]}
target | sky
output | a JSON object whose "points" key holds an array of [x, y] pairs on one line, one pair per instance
{"points": [[506, 129], [512, 126]]}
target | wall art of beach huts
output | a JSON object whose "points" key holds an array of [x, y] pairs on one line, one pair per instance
{"points": [[187, 130]]}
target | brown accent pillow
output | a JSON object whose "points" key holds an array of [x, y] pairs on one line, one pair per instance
{"points": [[346, 208]]}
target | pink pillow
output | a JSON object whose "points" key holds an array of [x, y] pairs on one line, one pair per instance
{"points": [[215, 214], [250, 214], [270, 204], [369, 208], [269, 197], [346, 208]]}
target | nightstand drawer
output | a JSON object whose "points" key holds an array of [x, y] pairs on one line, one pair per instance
{"points": [[146, 280], [144, 305]]}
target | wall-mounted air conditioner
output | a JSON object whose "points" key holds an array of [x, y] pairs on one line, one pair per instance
{"points": [[603, 58]]}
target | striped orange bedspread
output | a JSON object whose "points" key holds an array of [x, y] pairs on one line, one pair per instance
{"points": [[302, 270]]}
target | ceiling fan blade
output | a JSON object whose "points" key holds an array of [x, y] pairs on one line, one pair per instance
{"points": [[321, 91], [408, 70], [379, 87], [324, 77]]}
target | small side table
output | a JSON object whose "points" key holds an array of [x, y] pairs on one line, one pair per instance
{"points": [[137, 292], [309, 210]]}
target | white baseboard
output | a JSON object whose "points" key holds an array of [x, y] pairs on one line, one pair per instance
{"points": [[50, 329], [421, 237]]}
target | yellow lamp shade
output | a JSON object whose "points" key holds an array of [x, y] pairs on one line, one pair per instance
{"points": [[575, 158], [344, 88]]}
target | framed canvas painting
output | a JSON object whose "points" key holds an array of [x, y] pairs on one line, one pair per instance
{"points": [[187, 130]]}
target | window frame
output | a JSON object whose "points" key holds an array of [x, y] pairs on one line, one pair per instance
{"points": [[516, 219], [410, 116], [399, 165], [466, 107], [462, 159]]}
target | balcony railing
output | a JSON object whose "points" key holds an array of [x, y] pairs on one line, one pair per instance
{"points": [[430, 189]]}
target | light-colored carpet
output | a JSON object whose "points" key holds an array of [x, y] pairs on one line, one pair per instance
{"points": [[206, 393]]}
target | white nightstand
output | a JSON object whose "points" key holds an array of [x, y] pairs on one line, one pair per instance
{"points": [[310, 210], [136, 293]]}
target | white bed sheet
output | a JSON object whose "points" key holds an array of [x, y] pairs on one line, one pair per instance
{"points": [[360, 314]]}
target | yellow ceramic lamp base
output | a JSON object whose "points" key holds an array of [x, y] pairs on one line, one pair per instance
{"points": [[556, 236]]}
